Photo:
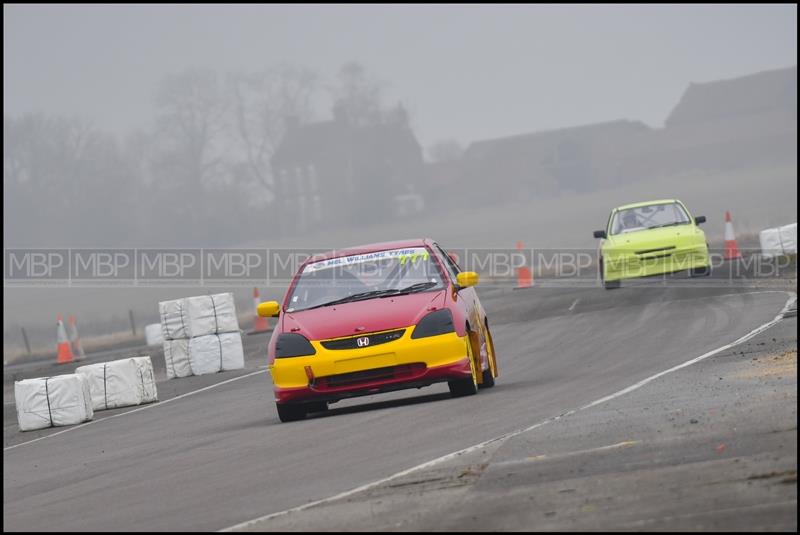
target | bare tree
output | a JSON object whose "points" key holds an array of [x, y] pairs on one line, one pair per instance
{"points": [[60, 176], [191, 124], [191, 157], [263, 104], [357, 95]]}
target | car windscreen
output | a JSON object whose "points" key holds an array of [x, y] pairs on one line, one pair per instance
{"points": [[647, 217], [363, 276]]}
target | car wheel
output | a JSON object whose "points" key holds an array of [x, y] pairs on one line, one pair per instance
{"points": [[488, 379], [611, 285], [290, 412], [488, 373], [469, 386], [704, 271], [608, 285]]}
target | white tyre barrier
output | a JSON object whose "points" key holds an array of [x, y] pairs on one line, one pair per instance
{"points": [[52, 401], [216, 352], [176, 358], [120, 383], [210, 314]]}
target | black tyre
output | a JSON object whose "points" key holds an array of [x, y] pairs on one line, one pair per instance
{"points": [[606, 284], [291, 412], [488, 379], [462, 387], [611, 285], [488, 376], [469, 386], [704, 271]]}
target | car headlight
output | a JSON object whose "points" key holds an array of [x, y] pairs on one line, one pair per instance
{"points": [[293, 345], [437, 322]]}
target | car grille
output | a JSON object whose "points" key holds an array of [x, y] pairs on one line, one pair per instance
{"points": [[369, 376], [659, 250], [372, 340]]}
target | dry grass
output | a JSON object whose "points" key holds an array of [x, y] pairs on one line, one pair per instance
{"points": [[778, 365]]}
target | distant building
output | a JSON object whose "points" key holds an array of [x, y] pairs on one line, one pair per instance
{"points": [[334, 173], [443, 177], [755, 94], [716, 126], [544, 163], [720, 126]]}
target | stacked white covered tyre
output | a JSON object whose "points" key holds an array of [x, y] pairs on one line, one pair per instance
{"points": [[216, 352], [201, 335], [173, 319], [120, 383], [52, 401], [176, 358], [210, 314], [175, 338]]}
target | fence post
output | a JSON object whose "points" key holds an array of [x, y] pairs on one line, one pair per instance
{"points": [[27, 344], [133, 325]]}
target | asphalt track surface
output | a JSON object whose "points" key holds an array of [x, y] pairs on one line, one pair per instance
{"points": [[219, 456]]}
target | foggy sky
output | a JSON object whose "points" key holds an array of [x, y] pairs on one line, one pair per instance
{"points": [[465, 72]]}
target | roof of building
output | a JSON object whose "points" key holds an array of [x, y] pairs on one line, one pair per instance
{"points": [[749, 94], [504, 145]]}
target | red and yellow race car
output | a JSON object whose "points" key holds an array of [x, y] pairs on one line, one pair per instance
{"points": [[377, 318]]}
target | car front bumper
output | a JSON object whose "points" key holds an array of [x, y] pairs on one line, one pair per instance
{"points": [[630, 265], [330, 375]]}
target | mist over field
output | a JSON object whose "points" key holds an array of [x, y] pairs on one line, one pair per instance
{"points": [[213, 126]]}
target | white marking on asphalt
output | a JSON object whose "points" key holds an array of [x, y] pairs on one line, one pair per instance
{"points": [[552, 456], [573, 304], [152, 405], [626, 444], [711, 353], [506, 436]]}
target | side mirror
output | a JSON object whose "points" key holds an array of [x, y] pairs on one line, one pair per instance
{"points": [[600, 234], [699, 219], [465, 279], [268, 309]]}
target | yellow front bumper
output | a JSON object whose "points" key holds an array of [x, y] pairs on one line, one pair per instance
{"points": [[432, 351], [631, 265]]}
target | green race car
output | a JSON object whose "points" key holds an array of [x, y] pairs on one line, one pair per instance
{"points": [[651, 238]]}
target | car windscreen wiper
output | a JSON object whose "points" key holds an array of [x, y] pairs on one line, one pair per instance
{"points": [[355, 297], [418, 287], [670, 224]]}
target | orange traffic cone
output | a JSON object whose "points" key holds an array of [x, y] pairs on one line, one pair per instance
{"points": [[731, 250], [64, 352], [260, 324], [75, 339], [524, 274]]}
